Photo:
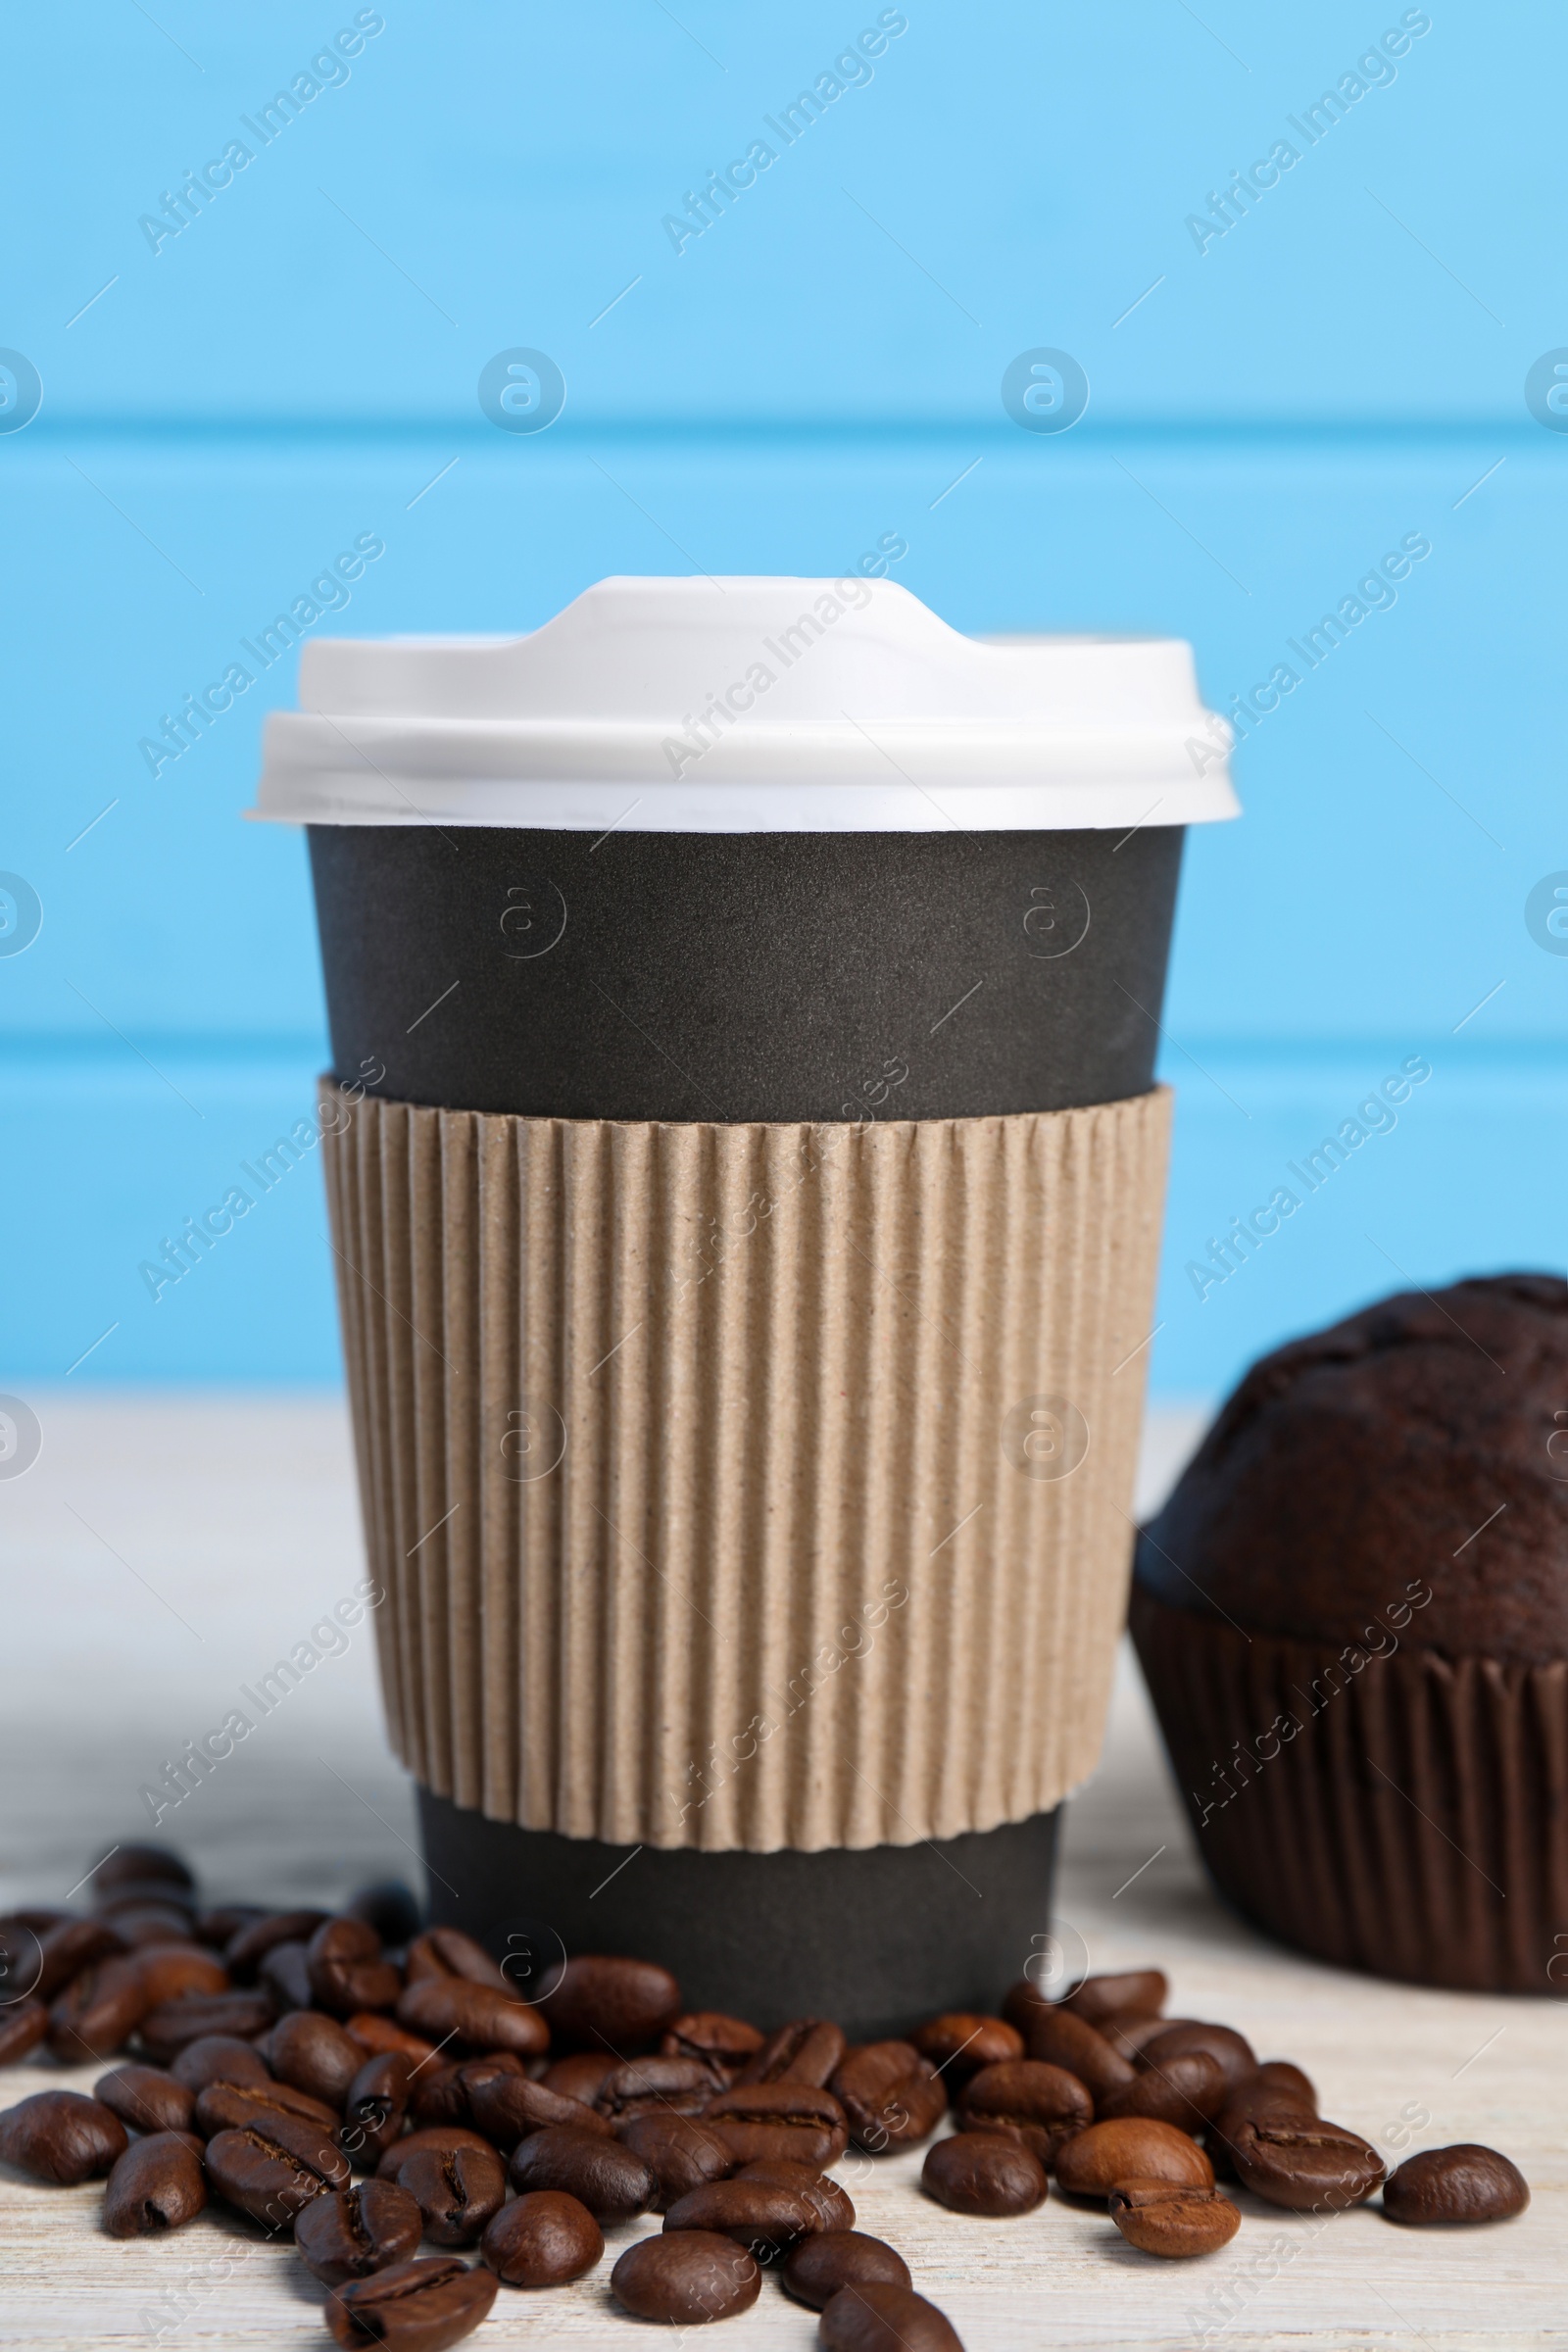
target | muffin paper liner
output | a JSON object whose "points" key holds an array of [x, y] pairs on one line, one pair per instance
{"points": [[747, 1486], [1404, 1813]]}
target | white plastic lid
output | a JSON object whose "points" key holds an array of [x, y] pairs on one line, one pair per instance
{"points": [[748, 706]]}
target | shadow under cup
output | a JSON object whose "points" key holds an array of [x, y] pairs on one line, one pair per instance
{"points": [[863, 985]]}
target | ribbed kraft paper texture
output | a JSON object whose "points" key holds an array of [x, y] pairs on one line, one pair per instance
{"points": [[686, 1460], [1414, 1823]]}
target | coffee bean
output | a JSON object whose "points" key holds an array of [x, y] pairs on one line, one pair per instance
{"points": [[451, 2008], [219, 1925], [1022, 2003], [1028, 2101], [810, 2049], [169, 1970], [250, 1943], [143, 1923], [1275, 2089], [829, 2199], [146, 2098], [959, 2045], [391, 1910], [458, 2188], [885, 2319], [157, 2184], [608, 2179], [1163, 2217], [412, 2307], [981, 2171], [58, 2135], [258, 2171], [722, 2043], [891, 2097], [579, 2076], [138, 1866], [1137, 1993], [1187, 2090], [360, 2230], [684, 2280], [1055, 2037], [1232, 2051], [98, 2012], [219, 2058], [819, 2267], [285, 1974], [447, 1952], [681, 2151], [1462, 2183], [1131, 2149], [1278, 2078], [780, 2119], [375, 2035], [614, 2004], [230, 2106], [347, 1972], [763, 2216], [21, 2028], [1305, 2164], [165, 2030], [442, 2137], [654, 2086], [1129, 2034], [65, 1950], [542, 2239], [314, 2053], [507, 2107], [438, 2094], [373, 2110]]}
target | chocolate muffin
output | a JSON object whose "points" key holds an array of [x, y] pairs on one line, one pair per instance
{"points": [[1353, 1616]]}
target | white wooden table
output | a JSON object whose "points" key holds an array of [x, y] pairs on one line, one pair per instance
{"points": [[161, 1553]]}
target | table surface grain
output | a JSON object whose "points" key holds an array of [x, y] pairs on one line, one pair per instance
{"points": [[162, 1551]]}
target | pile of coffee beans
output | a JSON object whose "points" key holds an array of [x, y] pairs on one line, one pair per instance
{"points": [[366, 2086]]}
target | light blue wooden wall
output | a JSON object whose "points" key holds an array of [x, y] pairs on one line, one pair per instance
{"points": [[1345, 366]]}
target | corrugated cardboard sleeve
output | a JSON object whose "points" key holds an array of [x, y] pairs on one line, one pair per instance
{"points": [[686, 1460]]}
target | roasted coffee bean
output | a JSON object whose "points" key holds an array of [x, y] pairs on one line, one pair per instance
{"points": [[687, 2279], [819, 2267], [1462, 2183], [458, 2188], [373, 2110], [606, 2002], [170, 1970], [137, 1866], [1022, 2003], [608, 2179], [261, 2174], [250, 1945], [146, 1923], [390, 1909], [982, 2171], [61, 2137], [885, 2319], [230, 2106], [1304, 2163], [1136, 1992], [98, 2012], [64, 1951], [166, 2030], [219, 2058], [1029, 2101], [810, 2049], [360, 2230], [829, 2198], [314, 2053], [219, 1925], [1187, 2090], [21, 2028], [1161, 2216], [412, 2307], [1055, 2037], [654, 2086], [447, 1952], [285, 1974], [679, 2150], [1232, 2051], [505, 2106], [722, 2043], [451, 2008], [378, 2033], [1133, 2149], [1278, 2088], [438, 2094], [1128, 2033], [763, 2216], [959, 2045], [146, 2098], [157, 2184], [780, 2119], [542, 2239], [579, 2076], [347, 1972], [1277, 2078], [891, 2097]]}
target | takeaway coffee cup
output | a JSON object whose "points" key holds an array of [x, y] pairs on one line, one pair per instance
{"points": [[746, 1172]]}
